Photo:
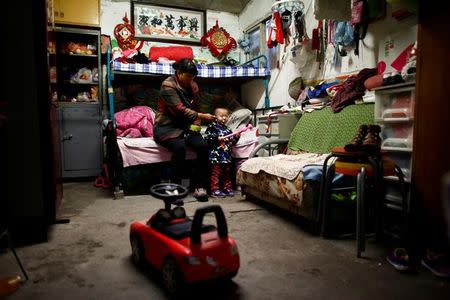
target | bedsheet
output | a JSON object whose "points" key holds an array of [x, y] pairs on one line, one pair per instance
{"points": [[139, 151], [203, 70]]}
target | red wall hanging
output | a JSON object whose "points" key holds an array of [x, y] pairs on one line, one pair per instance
{"points": [[218, 41], [124, 34]]}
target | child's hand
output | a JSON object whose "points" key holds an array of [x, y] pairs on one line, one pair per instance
{"points": [[221, 139]]}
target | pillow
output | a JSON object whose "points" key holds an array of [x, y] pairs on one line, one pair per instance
{"points": [[171, 53]]}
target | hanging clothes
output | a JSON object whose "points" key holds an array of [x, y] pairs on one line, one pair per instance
{"points": [[279, 27], [300, 26], [286, 20]]}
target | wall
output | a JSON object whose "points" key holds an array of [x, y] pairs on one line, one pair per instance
{"points": [[256, 10], [112, 13]]}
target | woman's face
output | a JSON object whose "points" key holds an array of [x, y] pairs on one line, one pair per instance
{"points": [[185, 79]]}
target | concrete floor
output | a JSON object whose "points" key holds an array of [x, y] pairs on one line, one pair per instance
{"points": [[89, 258]]}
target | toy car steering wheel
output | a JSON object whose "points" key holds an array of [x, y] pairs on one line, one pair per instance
{"points": [[169, 192]]}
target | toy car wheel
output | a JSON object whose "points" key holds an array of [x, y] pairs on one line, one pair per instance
{"points": [[172, 277], [137, 250], [231, 275]]}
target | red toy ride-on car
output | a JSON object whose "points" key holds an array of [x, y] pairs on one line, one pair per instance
{"points": [[185, 250]]}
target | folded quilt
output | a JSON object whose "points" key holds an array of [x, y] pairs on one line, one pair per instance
{"points": [[282, 165]]}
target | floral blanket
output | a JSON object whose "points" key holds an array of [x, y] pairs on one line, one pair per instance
{"points": [[282, 165]]}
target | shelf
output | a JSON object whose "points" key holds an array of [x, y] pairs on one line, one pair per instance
{"points": [[395, 179], [395, 120], [393, 206], [66, 103], [393, 198], [79, 55], [395, 149], [394, 86], [80, 83]]}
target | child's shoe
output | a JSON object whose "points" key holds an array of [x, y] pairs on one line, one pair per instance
{"points": [[217, 194], [438, 264], [201, 195], [400, 260], [229, 193]]}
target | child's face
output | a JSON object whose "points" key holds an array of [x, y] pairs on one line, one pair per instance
{"points": [[222, 116]]}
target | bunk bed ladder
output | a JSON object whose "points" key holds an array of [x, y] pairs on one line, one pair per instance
{"points": [[110, 78]]}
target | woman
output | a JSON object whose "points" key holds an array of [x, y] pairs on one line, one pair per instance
{"points": [[173, 125]]}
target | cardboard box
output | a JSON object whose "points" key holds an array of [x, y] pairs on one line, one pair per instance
{"points": [[393, 51]]}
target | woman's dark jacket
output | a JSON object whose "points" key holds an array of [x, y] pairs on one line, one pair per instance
{"points": [[176, 111]]}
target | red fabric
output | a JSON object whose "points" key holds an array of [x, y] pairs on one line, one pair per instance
{"points": [[357, 12], [279, 27], [172, 53], [352, 89], [221, 172], [374, 82], [271, 42]]}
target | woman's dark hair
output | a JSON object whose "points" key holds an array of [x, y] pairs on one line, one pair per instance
{"points": [[186, 66]]}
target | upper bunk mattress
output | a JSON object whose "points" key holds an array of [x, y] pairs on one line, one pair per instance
{"points": [[204, 71]]}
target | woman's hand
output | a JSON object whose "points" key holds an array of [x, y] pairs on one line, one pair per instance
{"points": [[206, 117]]}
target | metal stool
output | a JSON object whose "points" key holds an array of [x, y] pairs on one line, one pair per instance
{"points": [[362, 165]]}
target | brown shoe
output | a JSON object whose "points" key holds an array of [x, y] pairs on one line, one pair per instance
{"points": [[356, 143], [372, 140]]}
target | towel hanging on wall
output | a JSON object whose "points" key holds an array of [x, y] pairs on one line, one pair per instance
{"points": [[339, 10]]}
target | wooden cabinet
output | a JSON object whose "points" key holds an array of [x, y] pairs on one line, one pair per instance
{"points": [[77, 12]]}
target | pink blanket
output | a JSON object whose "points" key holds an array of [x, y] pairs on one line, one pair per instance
{"points": [[135, 122]]}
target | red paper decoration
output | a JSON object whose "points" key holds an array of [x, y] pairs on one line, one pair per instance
{"points": [[124, 34], [218, 41]]}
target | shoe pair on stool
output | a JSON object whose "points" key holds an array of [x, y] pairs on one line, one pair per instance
{"points": [[367, 139]]}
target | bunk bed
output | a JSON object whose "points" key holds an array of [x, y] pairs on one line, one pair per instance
{"points": [[123, 154]]}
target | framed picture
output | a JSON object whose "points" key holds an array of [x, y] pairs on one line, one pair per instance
{"points": [[167, 23]]}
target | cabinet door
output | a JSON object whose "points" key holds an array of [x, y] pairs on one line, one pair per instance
{"points": [[77, 12], [81, 140]]}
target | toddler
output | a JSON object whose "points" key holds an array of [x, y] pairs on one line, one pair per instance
{"points": [[220, 153]]}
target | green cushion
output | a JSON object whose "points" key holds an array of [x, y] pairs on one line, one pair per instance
{"points": [[321, 130]]}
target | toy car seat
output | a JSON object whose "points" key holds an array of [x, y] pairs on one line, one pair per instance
{"points": [[178, 212], [160, 219], [173, 222]]}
